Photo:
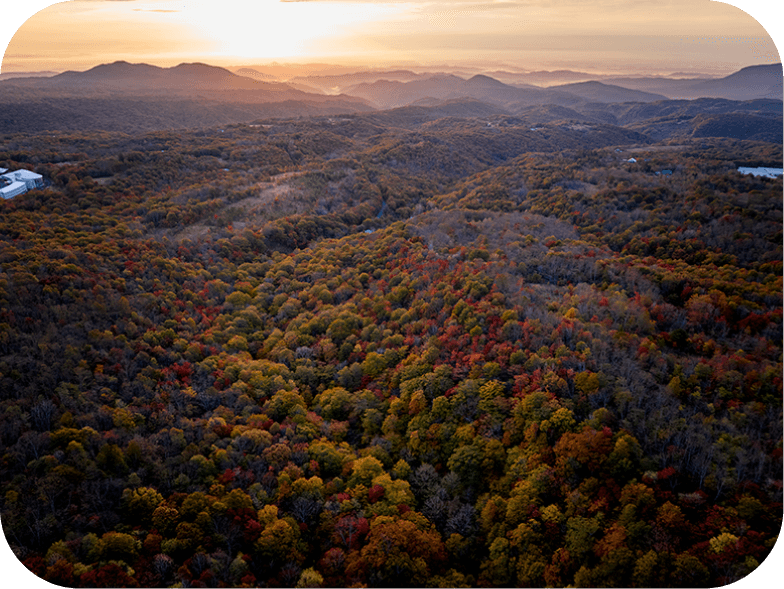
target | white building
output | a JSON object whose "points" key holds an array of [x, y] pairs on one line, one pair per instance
{"points": [[13, 189], [31, 179], [763, 172], [18, 182]]}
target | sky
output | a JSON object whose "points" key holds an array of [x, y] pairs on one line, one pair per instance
{"points": [[602, 36]]}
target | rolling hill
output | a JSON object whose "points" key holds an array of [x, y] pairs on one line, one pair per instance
{"points": [[759, 120], [391, 94], [339, 82], [600, 92], [759, 81]]}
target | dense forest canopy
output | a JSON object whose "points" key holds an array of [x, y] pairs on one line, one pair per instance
{"points": [[440, 345]]}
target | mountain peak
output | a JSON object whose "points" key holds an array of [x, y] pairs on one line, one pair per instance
{"points": [[197, 65], [483, 80], [201, 69], [763, 70], [116, 66], [113, 71]]}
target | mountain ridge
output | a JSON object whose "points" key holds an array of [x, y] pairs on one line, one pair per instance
{"points": [[601, 92], [141, 76], [748, 83], [122, 95]]}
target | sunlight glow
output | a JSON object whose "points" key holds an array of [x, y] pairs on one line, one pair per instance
{"points": [[621, 34], [273, 29]]}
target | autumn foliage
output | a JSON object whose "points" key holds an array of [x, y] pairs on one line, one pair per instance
{"points": [[546, 369]]}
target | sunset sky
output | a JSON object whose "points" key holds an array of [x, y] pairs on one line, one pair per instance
{"points": [[642, 36]]}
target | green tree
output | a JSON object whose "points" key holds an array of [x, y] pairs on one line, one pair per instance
{"points": [[119, 546], [466, 462], [364, 470], [140, 503]]}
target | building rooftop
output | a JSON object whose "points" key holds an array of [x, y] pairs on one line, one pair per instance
{"points": [[24, 175], [13, 189]]}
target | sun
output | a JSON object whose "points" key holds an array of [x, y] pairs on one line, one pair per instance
{"points": [[273, 29]]}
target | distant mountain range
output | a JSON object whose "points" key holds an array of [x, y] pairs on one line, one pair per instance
{"points": [[249, 72], [337, 83], [142, 79], [125, 76], [389, 89], [391, 94], [124, 96], [601, 92], [758, 81], [542, 78], [747, 84], [12, 75], [135, 97], [761, 81]]}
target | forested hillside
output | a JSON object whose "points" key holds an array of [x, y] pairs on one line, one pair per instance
{"points": [[421, 347]]}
